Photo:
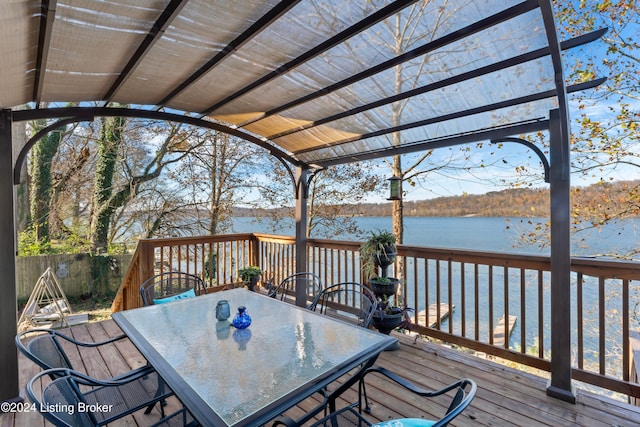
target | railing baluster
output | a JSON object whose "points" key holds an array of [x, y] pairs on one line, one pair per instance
{"points": [[438, 298], [540, 314], [626, 351], [601, 326], [505, 278], [491, 304], [463, 300], [580, 319], [476, 296], [523, 311]]}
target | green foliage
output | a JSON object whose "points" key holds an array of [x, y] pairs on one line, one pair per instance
{"points": [[247, 273], [211, 266], [29, 245], [379, 241]]}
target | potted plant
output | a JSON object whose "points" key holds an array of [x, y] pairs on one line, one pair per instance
{"points": [[379, 250], [250, 275], [389, 316], [384, 287]]}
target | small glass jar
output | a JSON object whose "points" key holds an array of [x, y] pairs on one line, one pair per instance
{"points": [[242, 319], [223, 312]]}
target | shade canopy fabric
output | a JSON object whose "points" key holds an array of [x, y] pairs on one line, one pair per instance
{"points": [[318, 82]]}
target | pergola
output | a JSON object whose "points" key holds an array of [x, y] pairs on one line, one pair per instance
{"points": [[314, 82]]}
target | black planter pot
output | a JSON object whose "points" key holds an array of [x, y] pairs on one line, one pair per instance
{"points": [[385, 258], [384, 288], [252, 282], [387, 323]]}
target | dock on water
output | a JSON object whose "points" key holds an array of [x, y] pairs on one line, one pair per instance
{"points": [[499, 331], [431, 318]]}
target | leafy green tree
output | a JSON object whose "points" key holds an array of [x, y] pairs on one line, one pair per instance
{"points": [[606, 144]]}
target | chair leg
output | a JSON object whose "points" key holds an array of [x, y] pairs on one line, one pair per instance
{"points": [[363, 392], [163, 402]]}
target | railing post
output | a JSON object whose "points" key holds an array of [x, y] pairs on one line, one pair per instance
{"points": [[254, 250], [560, 384], [147, 261], [634, 374], [9, 388], [302, 187]]}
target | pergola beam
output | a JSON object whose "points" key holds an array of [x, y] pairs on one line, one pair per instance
{"points": [[480, 136], [255, 29], [48, 8], [431, 46], [53, 113], [469, 75], [339, 38], [156, 32]]}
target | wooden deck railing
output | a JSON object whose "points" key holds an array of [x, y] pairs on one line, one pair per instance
{"points": [[457, 296]]}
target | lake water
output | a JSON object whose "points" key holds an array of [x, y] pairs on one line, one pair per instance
{"points": [[500, 235], [481, 233]]}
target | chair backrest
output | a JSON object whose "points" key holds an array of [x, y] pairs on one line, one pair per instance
{"points": [[44, 350], [349, 301], [176, 284], [461, 400], [102, 402], [58, 401], [286, 290]]}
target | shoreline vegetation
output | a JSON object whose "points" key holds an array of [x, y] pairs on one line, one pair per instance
{"points": [[518, 202]]}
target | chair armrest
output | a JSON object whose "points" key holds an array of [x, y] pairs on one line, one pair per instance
{"points": [[409, 385], [284, 421], [88, 344], [397, 379]]}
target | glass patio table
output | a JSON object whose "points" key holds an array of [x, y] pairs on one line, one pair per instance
{"points": [[238, 377]]}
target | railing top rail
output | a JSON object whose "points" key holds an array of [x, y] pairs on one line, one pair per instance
{"points": [[597, 267], [195, 239]]}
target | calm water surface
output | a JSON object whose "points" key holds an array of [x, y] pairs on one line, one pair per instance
{"points": [[483, 233]]}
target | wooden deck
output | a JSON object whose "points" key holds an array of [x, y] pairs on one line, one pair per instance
{"points": [[506, 397]]}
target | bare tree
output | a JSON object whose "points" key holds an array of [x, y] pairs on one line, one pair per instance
{"points": [[329, 190], [123, 166]]}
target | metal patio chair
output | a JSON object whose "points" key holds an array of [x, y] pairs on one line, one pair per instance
{"points": [[286, 290], [349, 301], [73, 399], [352, 415], [170, 286], [47, 351]]}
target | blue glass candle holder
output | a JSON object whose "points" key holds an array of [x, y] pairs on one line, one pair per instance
{"points": [[242, 319]]}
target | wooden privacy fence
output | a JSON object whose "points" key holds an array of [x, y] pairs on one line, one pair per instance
{"points": [[495, 303]]}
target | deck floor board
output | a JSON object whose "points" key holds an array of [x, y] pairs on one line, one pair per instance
{"points": [[506, 396]]}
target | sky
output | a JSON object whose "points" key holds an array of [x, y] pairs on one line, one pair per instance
{"points": [[496, 176]]}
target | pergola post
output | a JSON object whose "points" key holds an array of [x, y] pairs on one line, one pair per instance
{"points": [[302, 183], [9, 387], [560, 384]]}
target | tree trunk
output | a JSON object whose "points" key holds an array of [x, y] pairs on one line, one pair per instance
{"points": [[110, 139], [41, 159]]}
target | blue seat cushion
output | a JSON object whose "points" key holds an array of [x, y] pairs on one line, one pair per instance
{"points": [[406, 422], [186, 294]]}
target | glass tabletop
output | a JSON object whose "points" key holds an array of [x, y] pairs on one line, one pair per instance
{"points": [[238, 373]]}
